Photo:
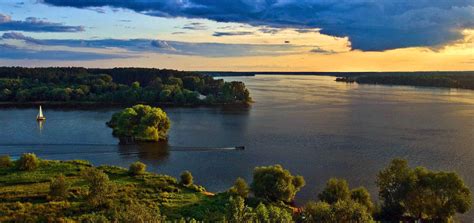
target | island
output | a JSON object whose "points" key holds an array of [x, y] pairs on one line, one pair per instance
{"points": [[74, 86], [140, 123], [459, 79], [37, 190]]}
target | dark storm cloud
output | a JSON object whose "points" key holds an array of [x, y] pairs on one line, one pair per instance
{"points": [[32, 24], [369, 24]]}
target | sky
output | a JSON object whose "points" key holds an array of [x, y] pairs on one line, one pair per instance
{"points": [[240, 35]]}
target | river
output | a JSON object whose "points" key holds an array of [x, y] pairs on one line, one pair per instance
{"points": [[312, 125]]}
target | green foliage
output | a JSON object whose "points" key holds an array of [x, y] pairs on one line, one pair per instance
{"points": [[240, 188], [335, 190], [362, 196], [100, 187], [136, 211], [420, 193], [5, 161], [186, 178], [28, 162], [58, 188], [137, 168], [237, 210], [463, 80], [140, 123], [340, 211], [261, 213], [115, 86], [273, 183]]}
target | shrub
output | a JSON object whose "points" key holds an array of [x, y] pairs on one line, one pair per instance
{"points": [[28, 161], [58, 188], [5, 161], [274, 183], [100, 187], [137, 168], [240, 188], [186, 178]]}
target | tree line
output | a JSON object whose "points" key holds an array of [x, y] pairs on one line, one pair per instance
{"points": [[117, 85], [463, 80]]}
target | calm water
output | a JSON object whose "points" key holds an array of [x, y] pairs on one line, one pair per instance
{"points": [[311, 125]]}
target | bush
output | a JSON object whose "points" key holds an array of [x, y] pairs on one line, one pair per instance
{"points": [[240, 188], [274, 183], [5, 161], [137, 168], [186, 178], [28, 161], [58, 189], [100, 187]]}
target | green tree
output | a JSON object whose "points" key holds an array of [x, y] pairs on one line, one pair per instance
{"points": [[335, 190], [186, 178], [100, 187], [318, 212], [240, 188], [274, 183], [238, 212], [421, 194], [140, 123], [362, 196], [261, 213], [276, 214], [58, 188], [5, 161], [28, 161], [137, 168]]}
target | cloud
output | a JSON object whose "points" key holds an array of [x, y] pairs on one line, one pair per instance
{"points": [[160, 44], [137, 47], [32, 24], [238, 33], [195, 26], [322, 51], [12, 52], [369, 24]]}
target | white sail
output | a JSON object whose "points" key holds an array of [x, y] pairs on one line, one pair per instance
{"points": [[40, 114]]}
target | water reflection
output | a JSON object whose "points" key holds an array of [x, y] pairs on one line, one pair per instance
{"points": [[40, 125], [146, 151]]}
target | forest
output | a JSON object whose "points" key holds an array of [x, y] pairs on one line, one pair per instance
{"points": [[74, 85], [461, 80], [37, 190]]}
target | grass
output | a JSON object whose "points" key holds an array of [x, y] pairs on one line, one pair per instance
{"points": [[24, 194]]}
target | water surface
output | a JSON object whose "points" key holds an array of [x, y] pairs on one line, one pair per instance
{"points": [[312, 125]]}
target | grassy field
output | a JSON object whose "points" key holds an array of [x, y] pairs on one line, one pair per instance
{"points": [[24, 195]]}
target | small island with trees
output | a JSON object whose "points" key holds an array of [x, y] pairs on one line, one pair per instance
{"points": [[36, 190], [140, 123], [75, 86]]}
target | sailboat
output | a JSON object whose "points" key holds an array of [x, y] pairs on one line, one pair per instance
{"points": [[40, 116]]}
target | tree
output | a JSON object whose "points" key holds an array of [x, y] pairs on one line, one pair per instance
{"points": [[238, 212], [100, 187], [318, 212], [335, 190], [276, 214], [261, 213], [274, 183], [362, 196], [58, 188], [421, 194], [28, 161], [240, 188], [137, 168], [5, 161], [186, 178], [140, 123], [340, 211]]}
